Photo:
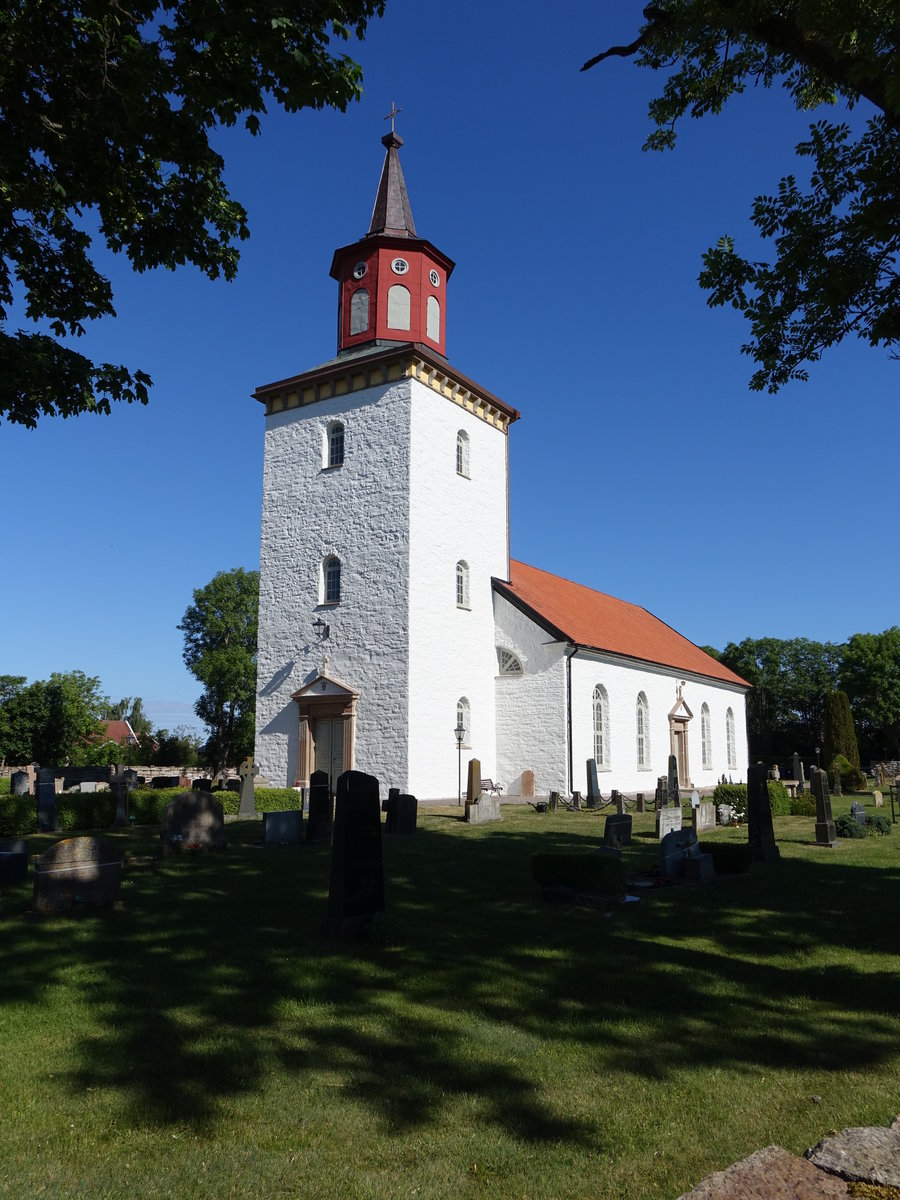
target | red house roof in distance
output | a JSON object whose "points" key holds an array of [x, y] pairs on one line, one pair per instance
{"points": [[117, 731], [600, 622]]}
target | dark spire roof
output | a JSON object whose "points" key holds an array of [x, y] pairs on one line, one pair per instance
{"points": [[392, 214]]}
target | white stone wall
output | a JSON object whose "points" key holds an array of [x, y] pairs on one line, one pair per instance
{"points": [[452, 652], [623, 682], [531, 708], [359, 512]]}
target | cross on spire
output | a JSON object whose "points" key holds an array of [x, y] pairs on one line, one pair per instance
{"points": [[393, 113]]}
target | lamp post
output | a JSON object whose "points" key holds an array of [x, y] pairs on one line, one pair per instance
{"points": [[459, 733], [817, 757]]}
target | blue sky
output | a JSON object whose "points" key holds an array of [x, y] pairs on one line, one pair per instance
{"points": [[642, 466]]}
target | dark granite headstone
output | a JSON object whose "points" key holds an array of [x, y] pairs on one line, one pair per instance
{"points": [[193, 821], [202, 785], [858, 812], [639, 802], [357, 870], [825, 832], [673, 795], [760, 831], [47, 814], [13, 861], [661, 799], [120, 785], [18, 783], [81, 871], [321, 809], [234, 785], [798, 769], [593, 786], [617, 830], [168, 781], [282, 828], [402, 815], [387, 805]]}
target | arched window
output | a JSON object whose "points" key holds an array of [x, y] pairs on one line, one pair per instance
{"points": [[359, 311], [462, 453], [335, 455], [705, 738], [398, 307], [433, 318], [730, 742], [509, 663], [331, 580], [642, 713], [462, 584], [463, 718], [601, 727]]}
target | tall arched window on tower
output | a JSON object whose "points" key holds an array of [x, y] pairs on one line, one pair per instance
{"points": [[462, 584], [601, 728], [331, 580], [334, 456], [642, 714], [462, 453], [464, 718], [433, 318], [730, 742], [398, 307], [359, 311], [705, 738]]}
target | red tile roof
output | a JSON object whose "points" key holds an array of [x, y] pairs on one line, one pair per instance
{"points": [[118, 731], [600, 622]]}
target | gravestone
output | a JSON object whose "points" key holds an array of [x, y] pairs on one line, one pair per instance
{"points": [[282, 828], [576, 801], [661, 799], [202, 785], [528, 783], [674, 848], [668, 820], [695, 798], [18, 783], [837, 780], [321, 809], [193, 821], [760, 831], [247, 770], [877, 799], [80, 871], [387, 804], [858, 812], [473, 782], [798, 772], [89, 786], [774, 772], [13, 861], [120, 785], [402, 815], [356, 891], [617, 830], [619, 801], [479, 808], [825, 834], [593, 787], [672, 792], [725, 813], [703, 817], [158, 782], [47, 814], [234, 785], [639, 802]]}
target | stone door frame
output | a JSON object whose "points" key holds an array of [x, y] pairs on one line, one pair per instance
{"points": [[323, 699]]}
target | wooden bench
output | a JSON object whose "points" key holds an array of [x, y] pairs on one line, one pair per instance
{"points": [[493, 789]]}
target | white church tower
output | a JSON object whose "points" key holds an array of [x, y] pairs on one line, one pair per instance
{"points": [[384, 517]]}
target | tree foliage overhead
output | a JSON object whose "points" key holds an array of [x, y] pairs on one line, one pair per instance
{"points": [[220, 651], [51, 721], [108, 110], [835, 267], [870, 675]]}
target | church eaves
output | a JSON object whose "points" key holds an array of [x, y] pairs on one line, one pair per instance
{"points": [[392, 214]]}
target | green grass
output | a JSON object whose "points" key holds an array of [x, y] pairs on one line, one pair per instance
{"points": [[204, 1040]]}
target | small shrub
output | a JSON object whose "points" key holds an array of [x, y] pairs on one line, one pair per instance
{"points": [[803, 806], [577, 869], [848, 827], [729, 858], [878, 824], [779, 799], [852, 779], [5, 784]]}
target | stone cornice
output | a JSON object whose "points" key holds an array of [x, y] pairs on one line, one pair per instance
{"points": [[408, 360]]}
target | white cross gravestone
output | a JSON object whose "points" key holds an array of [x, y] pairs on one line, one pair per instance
{"points": [[247, 770]]}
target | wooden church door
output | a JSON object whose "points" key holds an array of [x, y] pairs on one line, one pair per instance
{"points": [[329, 748]]}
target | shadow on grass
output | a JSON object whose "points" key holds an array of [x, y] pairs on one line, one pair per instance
{"points": [[213, 975]]}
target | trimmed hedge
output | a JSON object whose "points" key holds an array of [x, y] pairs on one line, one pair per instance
{"points": [[97, 810], [848, 827], [729, 858], [852, 779], [582, 870], [735, 794], [5, 785]]}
